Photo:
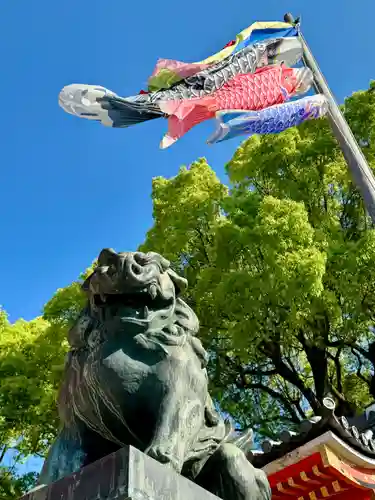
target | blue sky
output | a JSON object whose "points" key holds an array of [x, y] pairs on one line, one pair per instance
{"points": [[70, 187]]}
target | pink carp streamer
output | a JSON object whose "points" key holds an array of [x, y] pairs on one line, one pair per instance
{"points": [[267, 87]]}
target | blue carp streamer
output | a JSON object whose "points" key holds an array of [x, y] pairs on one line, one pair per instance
{"points": [[272, 120]]}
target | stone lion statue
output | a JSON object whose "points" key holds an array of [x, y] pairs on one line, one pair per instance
{"points": [[136, 375]]}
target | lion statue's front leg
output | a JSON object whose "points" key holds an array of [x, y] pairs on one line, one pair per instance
{"points": [[229, 475], [181, 410]]}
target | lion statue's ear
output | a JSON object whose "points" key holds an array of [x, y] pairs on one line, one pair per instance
{"points": [[86, 284], [107, 257], [180, 283]]}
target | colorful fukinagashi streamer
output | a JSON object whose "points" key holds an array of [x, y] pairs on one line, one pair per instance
{"points": [[267, 87], [169, 72], [272, 120]]}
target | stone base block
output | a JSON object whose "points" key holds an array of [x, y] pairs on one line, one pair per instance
{"points": [[127, 474]]}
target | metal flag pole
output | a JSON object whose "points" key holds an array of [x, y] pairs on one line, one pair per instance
{"points": [[354, 157]]}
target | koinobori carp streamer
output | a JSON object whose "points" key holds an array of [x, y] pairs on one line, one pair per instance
{"points": [[252, 74]]}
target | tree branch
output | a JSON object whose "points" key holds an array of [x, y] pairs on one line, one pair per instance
{"points": [[249, 370], [291, 365], [200, 234], [321, 175], [273, 351], [336, 360], [294, 401], [3, 452], [339, 395], [242, 383], [317, 358], [275, 395], [335, 344], [258, 373], [359, 369], [297, 404]]}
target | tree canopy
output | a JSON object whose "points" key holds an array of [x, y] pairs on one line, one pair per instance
{"points": [[31, 362], [281, 274], [31, 367], [280, 270]]}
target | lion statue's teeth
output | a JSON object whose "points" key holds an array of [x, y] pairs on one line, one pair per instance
{"points": [[153, 291]]}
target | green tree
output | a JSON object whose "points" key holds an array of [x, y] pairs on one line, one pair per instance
{"points": [[13, 485], [31, 359], [31, 366], [281, 270]]}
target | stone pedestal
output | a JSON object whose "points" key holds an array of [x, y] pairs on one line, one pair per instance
{"points": [[125, 475]]}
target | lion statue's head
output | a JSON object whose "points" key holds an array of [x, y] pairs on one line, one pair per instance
{"points": [[139, 294]]}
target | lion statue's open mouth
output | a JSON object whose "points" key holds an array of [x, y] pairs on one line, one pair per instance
{"points": [[137, 307]]}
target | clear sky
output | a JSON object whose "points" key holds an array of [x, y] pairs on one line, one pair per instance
{"points": [[70, 187]]}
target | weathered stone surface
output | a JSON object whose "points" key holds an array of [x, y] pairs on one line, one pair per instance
{"points": [[127, 474]]}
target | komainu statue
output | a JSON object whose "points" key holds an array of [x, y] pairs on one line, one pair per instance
{"points": [[136, 375]]}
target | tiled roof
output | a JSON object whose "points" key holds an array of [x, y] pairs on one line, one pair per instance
{"points": [[287, 441]]}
